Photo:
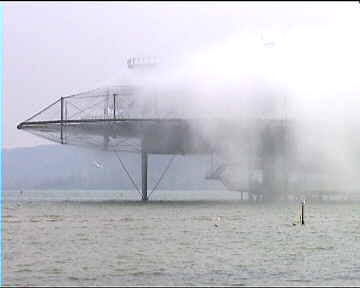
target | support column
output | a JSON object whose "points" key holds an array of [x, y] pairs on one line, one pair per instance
{"points": [[114, 100], [144, 166], [61, 120]]}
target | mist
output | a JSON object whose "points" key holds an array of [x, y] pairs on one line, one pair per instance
{"points": [[306, 76], [295, 65]]}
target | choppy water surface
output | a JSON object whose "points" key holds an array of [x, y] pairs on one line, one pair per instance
{"points": [[100, 238]]}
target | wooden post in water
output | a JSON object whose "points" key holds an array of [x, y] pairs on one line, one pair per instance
{"points": [[302, 212]]}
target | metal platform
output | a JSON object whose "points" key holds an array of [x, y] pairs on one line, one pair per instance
{"points": [[127, 118]]}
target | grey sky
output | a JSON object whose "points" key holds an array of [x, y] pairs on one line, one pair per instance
{"points": [[56, 49]]}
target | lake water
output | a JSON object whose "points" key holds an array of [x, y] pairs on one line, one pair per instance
{"points": [[98, 238]]}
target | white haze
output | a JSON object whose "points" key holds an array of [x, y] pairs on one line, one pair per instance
{"points": [[306, 75], [302, 72]]}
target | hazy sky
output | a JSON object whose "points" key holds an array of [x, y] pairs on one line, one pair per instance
{"points": [[56, 49]]}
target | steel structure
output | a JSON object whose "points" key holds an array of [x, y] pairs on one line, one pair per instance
{"points": [[133, 119]]}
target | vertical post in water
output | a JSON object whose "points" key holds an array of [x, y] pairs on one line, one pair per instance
{"points": [[61, 119], [114, 106], [302, 212], [144, 166]]}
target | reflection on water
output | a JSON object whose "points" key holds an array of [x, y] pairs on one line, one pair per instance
{"points": [[99, 238]]}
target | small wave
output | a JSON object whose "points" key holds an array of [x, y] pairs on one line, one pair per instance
{"points": [[127, 219], [158, 273], [34, 220], [318, 248], [53, 218], [125, 269], [137, 273], [202, 218], [56, 271], [88, 279], [23, 270], [73, 278]]}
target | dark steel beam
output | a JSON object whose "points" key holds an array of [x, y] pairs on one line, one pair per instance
{"points": [[62, 120], [144, 166]]}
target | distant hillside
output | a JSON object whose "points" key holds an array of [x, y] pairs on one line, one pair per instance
{"points": [[67, 167]]}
